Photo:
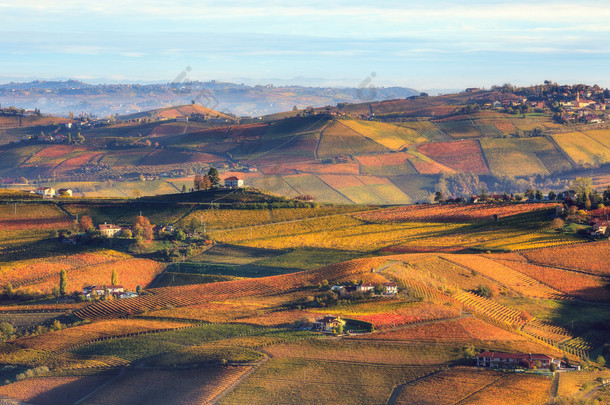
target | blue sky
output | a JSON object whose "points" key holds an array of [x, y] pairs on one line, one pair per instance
{"points": [[434, 44]]}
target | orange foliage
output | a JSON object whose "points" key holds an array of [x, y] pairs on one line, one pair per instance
{"points": [[577, 284], [451, 212], [461, 330], [415, 314], [66, 338], [591, 257]]}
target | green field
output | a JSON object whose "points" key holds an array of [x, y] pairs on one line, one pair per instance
{"points": [[460, 129]]}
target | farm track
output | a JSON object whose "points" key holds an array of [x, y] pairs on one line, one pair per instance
{"points": [[461, 401], [235, 384], [562, 152], [483, 155], [554, 388], [315, 151], [398, 390], [336, 191], [118, 376]]}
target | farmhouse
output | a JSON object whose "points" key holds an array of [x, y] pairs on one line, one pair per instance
{"points": [[364, 287], [109, 230], [233, 182], [65, 192], [45, 191], [390, 288], [599, 227], [515, 360], [328, 323], [101, 290]]}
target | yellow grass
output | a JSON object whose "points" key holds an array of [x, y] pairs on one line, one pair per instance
{"points": [[389, 135], [582, 149]]}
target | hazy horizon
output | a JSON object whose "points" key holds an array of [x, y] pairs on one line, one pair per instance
{"points": [[409, 44]]}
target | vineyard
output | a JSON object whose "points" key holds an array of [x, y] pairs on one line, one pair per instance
{"points": [[451, 212], [82, 269], [593, 258], [463, 330], [490, 309], [463, 156]]}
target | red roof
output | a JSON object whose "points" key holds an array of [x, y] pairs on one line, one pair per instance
{"points": [[515, 356], [233, 178]]}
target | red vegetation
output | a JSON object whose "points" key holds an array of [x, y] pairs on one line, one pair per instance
{"points": [[464, 156]]}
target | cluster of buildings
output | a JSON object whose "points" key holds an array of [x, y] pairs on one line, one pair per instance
{"points": [[116, 291], [389, 288], [598, 227], [516, 361], [50, 192], [111, 230]]}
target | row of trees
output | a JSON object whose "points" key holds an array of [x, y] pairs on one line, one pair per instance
{"points": [[141, 230], [204, 182]]}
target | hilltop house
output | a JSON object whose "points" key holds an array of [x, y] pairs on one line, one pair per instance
{"points": [[109, 230], [233, 182], [328, 323], [515, 360]]}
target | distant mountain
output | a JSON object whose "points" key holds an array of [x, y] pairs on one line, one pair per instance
{"points": [[62, 97]]}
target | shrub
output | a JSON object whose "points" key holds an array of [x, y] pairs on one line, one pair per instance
{"points": [[557, 223]]}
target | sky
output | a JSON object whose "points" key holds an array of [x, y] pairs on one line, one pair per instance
{"points": [[417, 44]]}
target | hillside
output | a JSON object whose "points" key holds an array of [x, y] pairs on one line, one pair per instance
{"points": [[170, 113], [232, 295], [389, 152]]}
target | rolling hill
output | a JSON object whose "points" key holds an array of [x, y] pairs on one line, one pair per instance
{"points": [[387, 152]]}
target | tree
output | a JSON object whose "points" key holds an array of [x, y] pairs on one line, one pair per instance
{"points": [[438, 196], [539, 195], [530, 194], [142, 229], [85, 223], [557, 223], [582, 185], [470, 352], [114, 278], [552, 195], [214, 176], [80, 139], [63, 282], [139, 289], [601, 361], [6, 329], [183, 189], [553, 367]]}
